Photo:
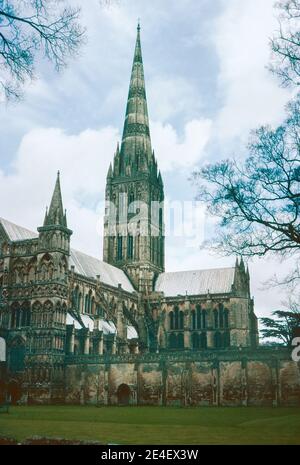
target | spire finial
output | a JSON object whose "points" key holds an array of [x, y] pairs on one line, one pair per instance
{"points": [[135, 135], [55, 213], [139, 25]]}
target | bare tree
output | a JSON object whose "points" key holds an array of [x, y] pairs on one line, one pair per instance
{"points": [[285, 44], [258, 201], [29, 27]]}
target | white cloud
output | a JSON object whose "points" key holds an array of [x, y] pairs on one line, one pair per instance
{"points": [[251, 96], [162, 92], [173, 152], [83, 160]]}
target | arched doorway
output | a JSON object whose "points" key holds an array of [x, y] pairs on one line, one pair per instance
{"points": [[124, 394]]}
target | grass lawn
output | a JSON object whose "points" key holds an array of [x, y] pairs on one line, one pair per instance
{"points": [[155, 425]]}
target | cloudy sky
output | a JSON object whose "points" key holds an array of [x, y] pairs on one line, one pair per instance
{"points": [[207, 86]]}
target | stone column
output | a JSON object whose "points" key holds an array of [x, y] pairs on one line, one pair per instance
{"points": [[100, 344], [86, 343], [135, 347], [71, 340], [210, 339], [114, 345]]}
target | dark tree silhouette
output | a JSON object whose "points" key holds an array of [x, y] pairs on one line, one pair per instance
{"points": [[285, 44], [284, 325], [28, 27]]}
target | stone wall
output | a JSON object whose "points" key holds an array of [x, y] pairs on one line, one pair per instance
{"points": [[229, 378]]}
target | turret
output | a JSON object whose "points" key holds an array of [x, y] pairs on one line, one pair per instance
{"points": [[54, 235]]}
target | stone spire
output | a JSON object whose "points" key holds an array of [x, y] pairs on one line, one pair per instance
{"points": [[136, 143], [56, 215], [134, 176]]}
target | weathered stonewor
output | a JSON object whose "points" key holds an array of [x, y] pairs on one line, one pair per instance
{"points": [[264, 376]]}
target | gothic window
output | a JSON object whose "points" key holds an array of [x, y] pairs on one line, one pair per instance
{"points": [[120, 248], [100, 311], [194, 319], [204, 318], [216, 318], [203, 341], [131, 198], [199, 322], [226, 318], [86, 304], [195, 341], [47, 313], [130, 247], [180, 341], [171, 318], [36, 313], [25, 321], [15, 316], [90, 302], [221, 315], [178, 318], [172, 341], [218, 339], [181, 320], [77, 297]]}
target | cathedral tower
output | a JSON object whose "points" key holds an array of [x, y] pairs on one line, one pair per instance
{"points": [[48, 274], [133, 224]]}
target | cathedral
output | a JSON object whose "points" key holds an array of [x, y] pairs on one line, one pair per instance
{"points": [[124, 330]]}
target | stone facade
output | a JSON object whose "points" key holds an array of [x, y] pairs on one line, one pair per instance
{"points": [[124, 331]]}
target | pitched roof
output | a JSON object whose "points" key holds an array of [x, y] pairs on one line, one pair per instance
{"points": [[197, 282], [84, 264], [91, 267], [15, 232]]}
